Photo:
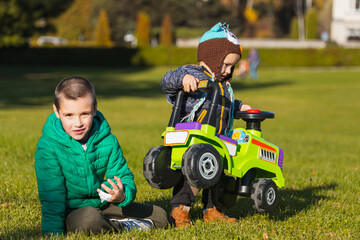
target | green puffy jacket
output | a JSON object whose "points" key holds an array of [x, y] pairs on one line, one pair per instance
{"points": [[68, 176]]}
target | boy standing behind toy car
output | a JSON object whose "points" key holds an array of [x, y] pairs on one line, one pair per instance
{"points": [[75, 152], [218, 52]]}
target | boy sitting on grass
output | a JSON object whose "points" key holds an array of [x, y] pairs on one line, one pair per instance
{"points": [[76, 151], [218, 52]]}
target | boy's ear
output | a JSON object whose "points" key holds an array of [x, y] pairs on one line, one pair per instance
{"points": [[56, 111]]}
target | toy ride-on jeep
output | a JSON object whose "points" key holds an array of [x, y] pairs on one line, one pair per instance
{"points": [[245, 165]]}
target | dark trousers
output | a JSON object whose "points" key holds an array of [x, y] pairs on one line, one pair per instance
{"points": [[184, 195], [95, 220]]}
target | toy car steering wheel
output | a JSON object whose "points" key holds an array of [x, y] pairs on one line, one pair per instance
{"points": [[253, 118]]}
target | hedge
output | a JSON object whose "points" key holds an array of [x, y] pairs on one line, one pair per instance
{"points": [[67, 56], [171, 56]]}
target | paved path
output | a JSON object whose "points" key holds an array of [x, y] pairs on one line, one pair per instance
{"points": [[261, 43]]}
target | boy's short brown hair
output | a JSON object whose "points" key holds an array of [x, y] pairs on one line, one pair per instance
{"points": [[73, 88]]}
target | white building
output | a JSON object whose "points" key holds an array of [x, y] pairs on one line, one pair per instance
{"points": [[345, 24]]}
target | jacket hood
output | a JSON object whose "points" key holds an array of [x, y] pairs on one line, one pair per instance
{"points": [[54, 129]]}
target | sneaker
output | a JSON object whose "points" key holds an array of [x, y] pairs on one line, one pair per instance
{"points": [[212, 214], [134, 223], [181, 216]]}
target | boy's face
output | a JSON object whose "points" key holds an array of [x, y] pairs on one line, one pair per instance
{"points": [[230, 60], [76, 116]]}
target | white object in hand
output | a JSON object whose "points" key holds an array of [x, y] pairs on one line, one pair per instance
{"points": [[104, 196]]}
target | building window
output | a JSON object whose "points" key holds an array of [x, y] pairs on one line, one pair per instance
{"points": [[355, 5], [354, 34]]}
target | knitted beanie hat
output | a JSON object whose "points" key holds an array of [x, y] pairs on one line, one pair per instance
{"points": [[215, 45]]}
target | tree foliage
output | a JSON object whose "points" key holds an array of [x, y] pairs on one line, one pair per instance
{"points": [[189, 13], [102, 31], [251, 15], [294, 33], [74, 23], [324, 17], [20, 19], [143, 29], [311, 23], [166, 36]]}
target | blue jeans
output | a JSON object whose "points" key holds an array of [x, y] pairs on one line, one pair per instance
{"points": [[253, 70]]}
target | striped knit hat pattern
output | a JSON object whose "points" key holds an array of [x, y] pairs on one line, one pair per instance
{"points": [[215, 45]]}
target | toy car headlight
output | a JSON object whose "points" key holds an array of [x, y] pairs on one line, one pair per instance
{"points": [[176, 137]]}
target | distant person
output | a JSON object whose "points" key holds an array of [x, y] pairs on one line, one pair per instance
{"points": [[325, 36], [243, 69], [254, 60], [74, 156], [218, 52]]}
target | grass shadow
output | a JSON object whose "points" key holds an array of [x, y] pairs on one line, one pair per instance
{"points": [[294, 201], [24, 86], [28, 88], [291, 202], [163, 202]]}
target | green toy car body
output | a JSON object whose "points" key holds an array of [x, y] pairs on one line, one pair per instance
{"points": [[249, 166]]}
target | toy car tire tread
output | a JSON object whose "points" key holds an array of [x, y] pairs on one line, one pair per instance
{"points": [[202, 165], [223, 193], [264, 195], [156, 168]]}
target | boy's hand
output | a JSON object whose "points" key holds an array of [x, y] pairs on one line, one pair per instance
{"points": [[190, 83], [245, 107], [117, 193]]}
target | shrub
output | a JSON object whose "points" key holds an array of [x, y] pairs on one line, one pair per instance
{"points": [[172, 56], [102, 31], [165, 37], [311, 22], [294, 28], [143, 29]]}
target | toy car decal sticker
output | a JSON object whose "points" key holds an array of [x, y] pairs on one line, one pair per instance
{"points": [[267, 155], [176, 137], [263, 145], [240, 136]]}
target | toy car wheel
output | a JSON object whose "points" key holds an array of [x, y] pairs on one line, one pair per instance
{"points": [[264, 195], [202, 166], [223, 193], [157, 169]]}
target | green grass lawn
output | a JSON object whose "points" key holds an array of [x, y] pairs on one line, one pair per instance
{"points": [[317, 114]]}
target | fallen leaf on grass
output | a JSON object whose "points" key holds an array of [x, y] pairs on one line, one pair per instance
{"points": [[7, 204], [265, 236]]}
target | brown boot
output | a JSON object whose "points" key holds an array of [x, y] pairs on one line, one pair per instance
{"points": [[212, 214], [181, 216]]}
